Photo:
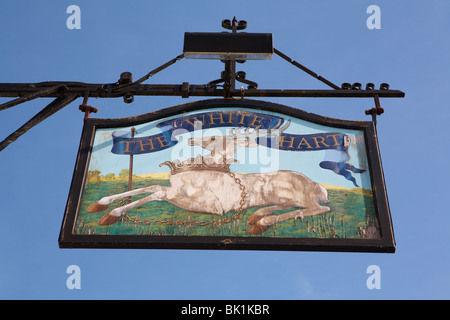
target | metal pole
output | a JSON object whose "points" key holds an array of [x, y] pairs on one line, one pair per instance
{"points": [[234, 25], [31, 96], [109, 91], [130, 171]]}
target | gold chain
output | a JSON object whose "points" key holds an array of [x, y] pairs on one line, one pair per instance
{"points": [[242, 188], [192, 222]]}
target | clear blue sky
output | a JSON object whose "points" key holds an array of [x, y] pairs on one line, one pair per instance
{"points": [[410, 52]]}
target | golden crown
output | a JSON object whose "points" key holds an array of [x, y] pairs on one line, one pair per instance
{"points": [[197, 164]]}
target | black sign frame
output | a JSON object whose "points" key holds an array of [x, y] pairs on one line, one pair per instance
{"points": [[69, 239]]}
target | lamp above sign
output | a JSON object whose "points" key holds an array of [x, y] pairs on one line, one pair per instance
{"points": [[229, 174], [228, 46]]}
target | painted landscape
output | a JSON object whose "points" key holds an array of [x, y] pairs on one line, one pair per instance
{"points": [[352, 214]]}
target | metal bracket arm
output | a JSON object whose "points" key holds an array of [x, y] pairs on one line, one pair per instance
{"points": [[31, 96], [105, 91], [49, 110]]}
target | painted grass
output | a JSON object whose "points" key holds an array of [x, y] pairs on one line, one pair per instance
{"points": [[352, 215]]}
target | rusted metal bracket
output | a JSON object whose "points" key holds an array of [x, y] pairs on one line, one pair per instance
{"points": [[85, 108], [240, 76], [31, 96], [378, 110], [49, 110], [204, 90]]}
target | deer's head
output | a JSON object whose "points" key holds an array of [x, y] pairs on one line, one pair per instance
{"points": [[224, 147]]}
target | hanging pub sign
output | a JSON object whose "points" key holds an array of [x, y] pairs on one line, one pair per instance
{"points": [[228, 174]]}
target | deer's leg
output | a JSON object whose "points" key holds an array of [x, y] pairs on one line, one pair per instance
{"points": [[104, 202], [267, 221], [116, 213], [294, 214], [255, 227]]}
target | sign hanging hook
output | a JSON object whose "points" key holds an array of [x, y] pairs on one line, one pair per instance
{"points": [[85, 108], [378, 110]]}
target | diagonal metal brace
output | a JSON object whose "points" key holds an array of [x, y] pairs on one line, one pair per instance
{"points": [[151, 73], [34, 95], [305, 69], [49, 110]]}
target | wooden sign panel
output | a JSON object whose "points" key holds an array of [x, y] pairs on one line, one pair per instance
{"points": [[228, 174]]}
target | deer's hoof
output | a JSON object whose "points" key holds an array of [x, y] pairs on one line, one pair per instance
{"points": [[108, 219], [96, 207], [256, 229]]}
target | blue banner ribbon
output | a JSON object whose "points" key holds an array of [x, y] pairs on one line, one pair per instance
{"points": [[124, 144]]}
